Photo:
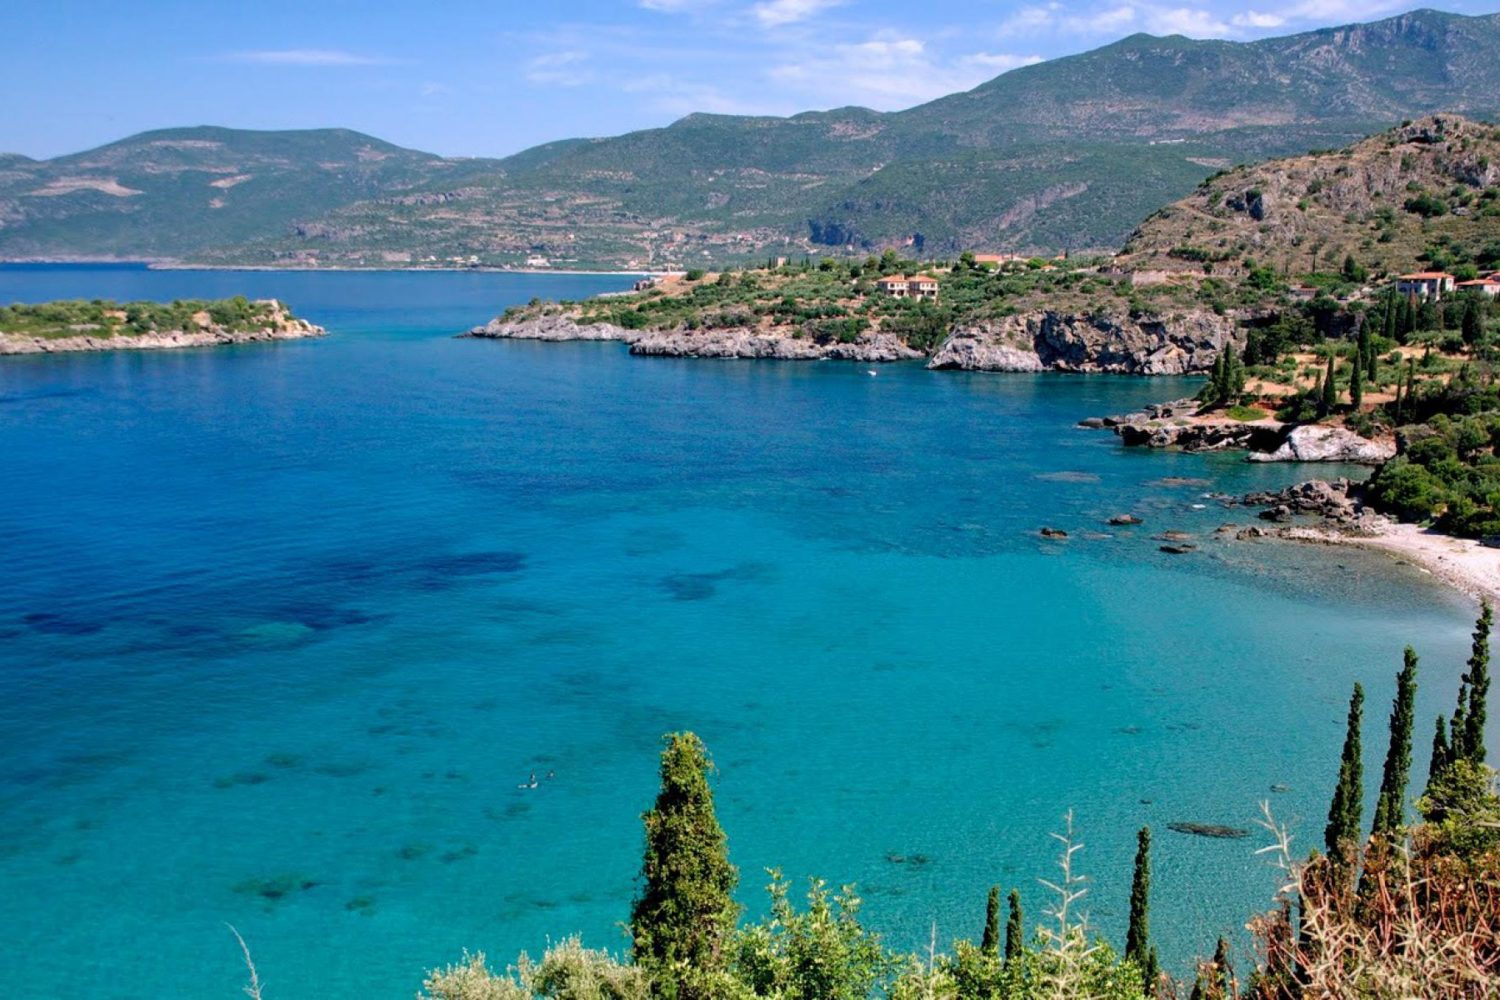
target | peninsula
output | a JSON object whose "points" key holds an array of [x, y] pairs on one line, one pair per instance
{"points": [[100, 325]]}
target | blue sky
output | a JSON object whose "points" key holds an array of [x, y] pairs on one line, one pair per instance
{"points": [[490, 77]]}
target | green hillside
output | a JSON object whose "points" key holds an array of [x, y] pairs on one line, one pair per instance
{"points": [[177, 192], [1066, 154]]}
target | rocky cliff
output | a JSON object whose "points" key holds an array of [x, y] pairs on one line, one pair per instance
{"points": [[1104, 342], [732, 342]]}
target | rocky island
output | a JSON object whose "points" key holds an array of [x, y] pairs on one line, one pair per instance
{"points": [[99, 325]]}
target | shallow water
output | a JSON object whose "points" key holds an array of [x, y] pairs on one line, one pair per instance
{"points": [[285, 625]]}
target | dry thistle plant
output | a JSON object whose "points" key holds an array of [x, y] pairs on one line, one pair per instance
{"points": [[253, 987], [1418, 924], [1066, 945]]}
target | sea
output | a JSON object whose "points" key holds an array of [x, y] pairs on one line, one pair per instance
{"points": [[288, 631]]}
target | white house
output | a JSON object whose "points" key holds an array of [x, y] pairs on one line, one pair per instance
{"points": [[920, 286], [1485, 286], [1426, 284]]}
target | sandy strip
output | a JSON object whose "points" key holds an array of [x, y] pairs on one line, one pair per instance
{"points": [[1458, 562]]}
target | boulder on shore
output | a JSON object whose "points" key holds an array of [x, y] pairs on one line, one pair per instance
{"points": [[1318, 443]]}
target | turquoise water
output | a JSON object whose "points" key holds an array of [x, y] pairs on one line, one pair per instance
{"points": [[285, 625]]}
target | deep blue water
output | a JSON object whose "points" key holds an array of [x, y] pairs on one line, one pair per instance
{"points": [[285, 625]]}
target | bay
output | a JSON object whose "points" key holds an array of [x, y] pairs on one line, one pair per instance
{"points": [[285, 625]]}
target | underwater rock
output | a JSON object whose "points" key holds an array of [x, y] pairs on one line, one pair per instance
{"points": [[1123, 519], [1180, 549], [1054, 533], [1210, 830], [276, 887]]}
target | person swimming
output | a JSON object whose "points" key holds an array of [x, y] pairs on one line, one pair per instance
{"points": [[532, 783]]}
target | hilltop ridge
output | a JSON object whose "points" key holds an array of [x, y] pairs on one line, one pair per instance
{"points": [[1066, 154]]}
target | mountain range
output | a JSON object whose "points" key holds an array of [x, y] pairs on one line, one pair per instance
{"points": [[1066, 154]]}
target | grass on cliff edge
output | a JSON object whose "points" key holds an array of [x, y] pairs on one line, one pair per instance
{"points": [[104, 318]]}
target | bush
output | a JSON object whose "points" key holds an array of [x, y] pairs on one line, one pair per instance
{"points": [[568, 971], [1407, 490]]}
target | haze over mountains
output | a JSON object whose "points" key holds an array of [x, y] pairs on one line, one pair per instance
{"points": [[1070, 153]]}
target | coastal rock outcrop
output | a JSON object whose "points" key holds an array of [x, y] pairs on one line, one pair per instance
{"points": [[747, 343], [1059, 341], [552, 328], [1339, 503], [732, 342], [1176, 424], [1316, 443]]}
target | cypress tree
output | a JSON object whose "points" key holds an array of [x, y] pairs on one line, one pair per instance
{"points": [[1015, 932], [990, 943], [1391, 806], [1438, 762], [1357, 384], [1478, 679], [1458, 724], [1343, 827], [1472, 325], [1223, 973], [1138, 932], [683, 918], [1330, 388], [1390, 316]]}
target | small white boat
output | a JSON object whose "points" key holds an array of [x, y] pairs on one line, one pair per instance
{"points": [[871, 372]]}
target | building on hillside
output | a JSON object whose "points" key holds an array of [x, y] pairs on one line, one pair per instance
{"points": [[1426, 284], [899, 286], [645, 284], [1485, 286], [997, 259]]}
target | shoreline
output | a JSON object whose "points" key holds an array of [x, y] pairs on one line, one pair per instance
{"points": [[23, 345], [1459, 563], [172, 265]]}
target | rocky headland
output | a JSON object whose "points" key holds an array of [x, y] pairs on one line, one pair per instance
{"points": [[275, 322], [731, 342], [1029, 342], [1048, 340], [1179, 424]]}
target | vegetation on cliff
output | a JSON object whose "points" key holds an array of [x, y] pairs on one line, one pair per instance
{"points": [[1424, 194], [100, 318], [1407, 910]]}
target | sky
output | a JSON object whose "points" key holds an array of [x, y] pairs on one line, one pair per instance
{"points": [[492, 77]]}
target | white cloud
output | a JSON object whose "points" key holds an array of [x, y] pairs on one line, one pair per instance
{"points": [[560, 69], [672, 95], [306, 57], [1029, 21], [1101, 22], [774, 13], [1188, 21], [670, 6], [1255, 19], [889, 71], [1340, 11]]}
